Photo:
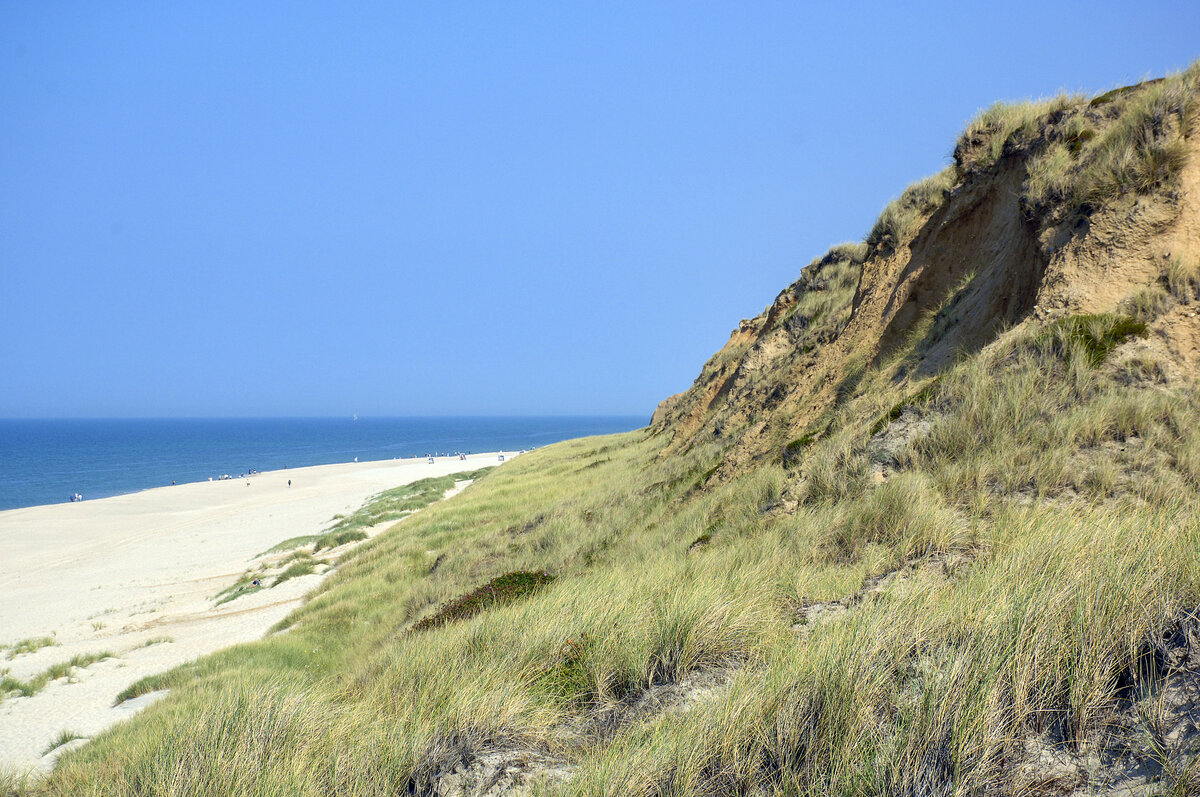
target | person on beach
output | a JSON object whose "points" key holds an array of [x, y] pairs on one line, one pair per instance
{"points": [[289, 482]]}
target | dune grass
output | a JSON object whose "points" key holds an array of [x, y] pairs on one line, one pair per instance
{"points": [[386, 506], [27, 688], [62, 738], [1129, 141], [27, 646], [899, 220], [937, 681]]}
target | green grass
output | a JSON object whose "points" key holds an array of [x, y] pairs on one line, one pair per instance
{"points": [[62, 738], [793, 451], [299, 564], [500, 590], [249, 582], [962, 667], [1182, 279], [10, 686], [386, 506], [27, 646], [900, 219], [1129, 141], [158, 640], [1006, 127], [1093, 335], [921, 397]]}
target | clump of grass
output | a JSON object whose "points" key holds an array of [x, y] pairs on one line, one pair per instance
{"points": [[1182, 279], [28, 646], [1005, 127], [793, 452], [61, 739], [10, 685], [340, 537], [1131, 141], [158, 640], [919, 398], [835, 470], [250, 581], [16, 784], [848, 252], [905, 514], [500, 590], [1083, 154], [389, 505], [900, 219], [1094, 335], [1148, 303], [299, 564], [704, 477], [1142, 369]]}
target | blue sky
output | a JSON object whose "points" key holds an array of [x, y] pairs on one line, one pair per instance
{"points": [[214, 209]]}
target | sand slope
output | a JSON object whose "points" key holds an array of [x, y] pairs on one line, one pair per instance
{"points": [[135, 575]]}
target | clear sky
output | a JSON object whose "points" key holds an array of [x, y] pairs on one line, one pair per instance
{"points": [[230, 208]]}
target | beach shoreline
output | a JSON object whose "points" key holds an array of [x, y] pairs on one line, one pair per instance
{"points": [[135, 576]]}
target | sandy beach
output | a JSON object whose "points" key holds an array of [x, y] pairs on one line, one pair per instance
{"points": [[136, 575]]}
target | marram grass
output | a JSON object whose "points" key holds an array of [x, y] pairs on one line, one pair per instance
{"points": [[936, 678]]}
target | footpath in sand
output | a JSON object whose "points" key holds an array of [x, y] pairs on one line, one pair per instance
{"points": [[136, 575]]}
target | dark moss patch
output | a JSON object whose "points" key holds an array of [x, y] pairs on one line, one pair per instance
{"points": [[567, 677], [526, 527], [920, 397], [1109, 96], [499, 591], [793, 450], [701, 541], [1095, 335], [704, 477]]}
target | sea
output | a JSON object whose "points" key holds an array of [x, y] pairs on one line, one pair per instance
{"points": [[49, 461]]}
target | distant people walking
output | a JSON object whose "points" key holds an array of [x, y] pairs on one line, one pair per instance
{"points": [[289, 482]]}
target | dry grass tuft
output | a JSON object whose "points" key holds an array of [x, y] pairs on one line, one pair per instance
{"points": [[900, 219]]}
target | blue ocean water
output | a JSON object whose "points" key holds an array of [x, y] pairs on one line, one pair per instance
{"points": [[47, 461]]}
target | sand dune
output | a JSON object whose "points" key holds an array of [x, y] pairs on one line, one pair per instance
{"points": [[135, 575]]}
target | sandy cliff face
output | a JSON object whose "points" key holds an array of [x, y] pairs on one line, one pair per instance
{"points": [[981, 258]]}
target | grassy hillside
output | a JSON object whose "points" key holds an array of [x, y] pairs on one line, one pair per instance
{"points": [[980, 578]]}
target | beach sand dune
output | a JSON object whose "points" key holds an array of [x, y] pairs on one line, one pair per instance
{"points": [[136, 575]]}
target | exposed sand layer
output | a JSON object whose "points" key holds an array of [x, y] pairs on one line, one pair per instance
{"points": [[135, 576]]}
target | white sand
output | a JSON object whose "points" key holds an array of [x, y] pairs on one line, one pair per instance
{"points": [[113, 574]]}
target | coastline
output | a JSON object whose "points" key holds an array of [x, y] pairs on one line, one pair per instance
{"points": [[135, 576], [47, 461]]}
